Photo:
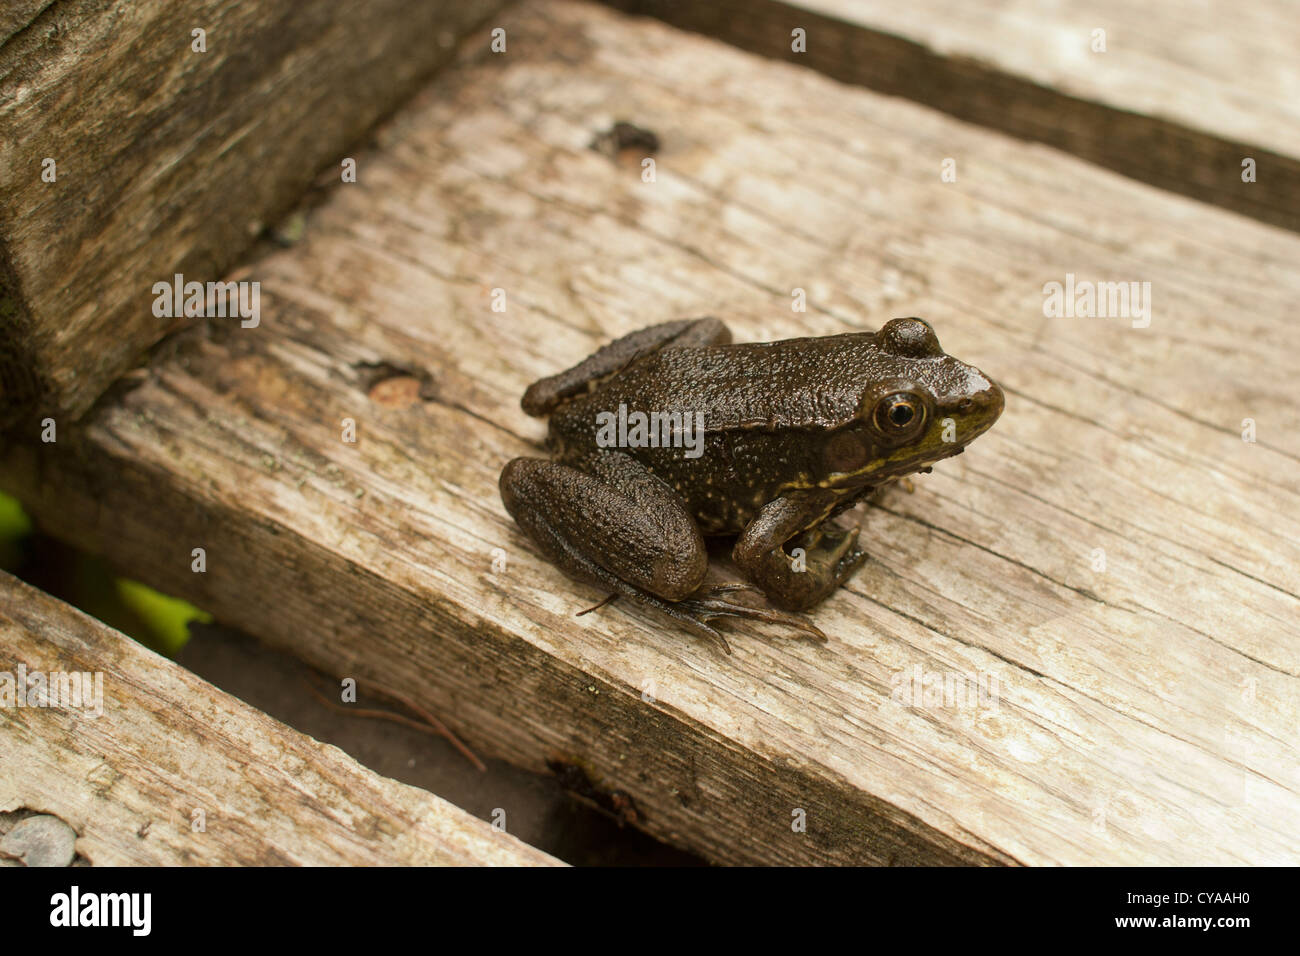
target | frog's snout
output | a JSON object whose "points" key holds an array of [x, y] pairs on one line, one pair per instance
{"points": [[990, 401], [982, 407]]}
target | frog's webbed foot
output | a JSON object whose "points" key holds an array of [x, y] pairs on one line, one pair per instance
{"points": [[706, 605], [731, 587], [697, 611]]}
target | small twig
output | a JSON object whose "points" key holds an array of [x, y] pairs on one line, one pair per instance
{"points": [[433, 722], [597, 607], [363, 712], [430, 725]]}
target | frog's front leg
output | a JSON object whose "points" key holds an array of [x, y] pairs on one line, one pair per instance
{"points": [[830, 557], [613, 523]]}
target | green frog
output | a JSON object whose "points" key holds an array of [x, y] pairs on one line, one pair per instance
{"points": [[672, 434]]}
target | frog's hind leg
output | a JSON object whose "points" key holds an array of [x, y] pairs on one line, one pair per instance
{"points": [[608, 510], [546, 394], [614, 524]]}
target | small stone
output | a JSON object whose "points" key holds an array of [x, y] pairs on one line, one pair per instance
{"points": [[41, 840]]}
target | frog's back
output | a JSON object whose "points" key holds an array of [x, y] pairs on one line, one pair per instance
{"points": [[794, 383]]}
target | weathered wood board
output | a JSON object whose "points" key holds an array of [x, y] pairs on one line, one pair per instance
{"points": [[15, 15], [168, 159], [1112, 554], [1176, 93], [533, 807], [150, 765]]}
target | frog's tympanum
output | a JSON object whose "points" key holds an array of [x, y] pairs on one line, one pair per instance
{"points": [[672, 434]]}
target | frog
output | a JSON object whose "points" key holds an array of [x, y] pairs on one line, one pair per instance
{"points": [[769, 442]]}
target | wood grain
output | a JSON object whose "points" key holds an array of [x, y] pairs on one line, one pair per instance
{"points": [[1146, 711], [1183, 92], [128, 776], [169, 160], [16, 15]]}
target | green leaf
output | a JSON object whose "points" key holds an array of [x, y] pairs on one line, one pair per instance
{"points": [[14, 527], [167, 618]]}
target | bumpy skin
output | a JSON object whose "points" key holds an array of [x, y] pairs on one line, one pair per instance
{"points": [[795, 432]]}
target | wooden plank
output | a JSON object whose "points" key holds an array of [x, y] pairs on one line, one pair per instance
{"points": [[128, 761], [1181, 94], [169, 160], [17, 15], [1146, 711], [533, 807]]}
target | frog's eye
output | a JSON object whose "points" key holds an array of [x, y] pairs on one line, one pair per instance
{"points": [[900, 414]]}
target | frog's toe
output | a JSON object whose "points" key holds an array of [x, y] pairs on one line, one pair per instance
{"points": [[730, 587], [705, 609]]}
